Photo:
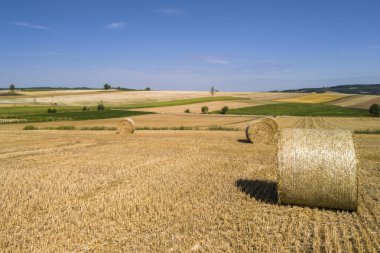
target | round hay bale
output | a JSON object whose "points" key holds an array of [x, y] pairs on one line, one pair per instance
{"points": [[126, 126], [317, 168], [272, 123], [261, 131]]}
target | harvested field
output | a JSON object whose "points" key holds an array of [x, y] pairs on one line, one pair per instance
{"points": [[196, 108], [92, 97], [358, 101], [268, 95], [151, 120], [120, 194], [108, 97], [192, 120], [329, 123], [315, 98]]}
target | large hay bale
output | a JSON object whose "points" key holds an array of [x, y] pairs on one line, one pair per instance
{"points": [[317, 168], [261, 131], [126, 126]]}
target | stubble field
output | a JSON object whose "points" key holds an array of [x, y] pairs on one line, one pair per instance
{"points": [[171, 191]]}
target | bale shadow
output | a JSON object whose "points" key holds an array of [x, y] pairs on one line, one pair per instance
{"points": [[244, 141], [262, 190]]}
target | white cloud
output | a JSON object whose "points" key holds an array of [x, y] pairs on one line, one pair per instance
{"points": [[216, 60], [29, 25], [115, 25], [169, 11]]}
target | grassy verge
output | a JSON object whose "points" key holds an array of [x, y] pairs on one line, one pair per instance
{"points": [[367, 131], [181, 102], [211, 128], [22, 110], [94, 128], [72, 115], [299, 109], [10, 94]]}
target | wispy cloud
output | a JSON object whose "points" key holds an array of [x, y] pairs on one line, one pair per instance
{"points": [[115, 25], [170, 11], [267, 67], [33, 54], [29, 25], [215, 60]]}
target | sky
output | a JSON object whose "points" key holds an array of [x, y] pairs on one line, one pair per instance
{"points": [[240, 45]]}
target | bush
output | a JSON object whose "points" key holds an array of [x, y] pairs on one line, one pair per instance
{"points": [[224, 110], [51, 110], [374, 110], [84, 108], [187, 111], [204, 109], [30, 127], [367, 131], [100, 107]]}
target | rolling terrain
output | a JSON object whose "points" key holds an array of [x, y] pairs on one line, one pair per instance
{"points": [[180, 190]]}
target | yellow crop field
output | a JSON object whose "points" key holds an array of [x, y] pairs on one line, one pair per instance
{"points": [[76, 191], [115, 97], [196, 108], [315, 98], [358, 101]]}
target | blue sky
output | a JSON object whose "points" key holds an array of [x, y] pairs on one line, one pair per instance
{"points": [[244, 45]]}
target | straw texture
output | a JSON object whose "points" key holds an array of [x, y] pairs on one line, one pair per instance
{"points": [[126, 126], [317, 168], [261, 131], [271, 122]]}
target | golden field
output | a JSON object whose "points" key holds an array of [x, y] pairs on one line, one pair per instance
{"points": [[171, 191], [115, 97], [120, 98], [315, 98], [197, 108], [204, 121], [358, 101]]}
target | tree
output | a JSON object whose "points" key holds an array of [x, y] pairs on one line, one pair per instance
{"points": [[224, 110], [374, 110], [12, 87], [212, 90], [147, 88], [204, 109], [107, 86], [100, 106]]}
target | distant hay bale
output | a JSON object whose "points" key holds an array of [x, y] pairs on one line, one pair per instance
{"points": [[261, 131], [271, 122], [317, 168], [126, 126]]}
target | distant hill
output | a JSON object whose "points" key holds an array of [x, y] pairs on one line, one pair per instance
{"points": [[368, 89], [48, 88]]}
